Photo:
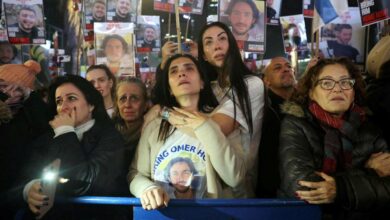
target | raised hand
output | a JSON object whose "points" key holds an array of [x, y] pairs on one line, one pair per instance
{"points": [[63, 119]]}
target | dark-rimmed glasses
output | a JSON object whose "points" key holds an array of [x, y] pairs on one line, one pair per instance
{"points": [[329, 84]]}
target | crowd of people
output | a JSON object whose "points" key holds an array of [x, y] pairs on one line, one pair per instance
{"points": [[211, 129]]}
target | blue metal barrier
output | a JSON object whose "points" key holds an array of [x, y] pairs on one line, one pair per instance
{"points": [[274, 209]]}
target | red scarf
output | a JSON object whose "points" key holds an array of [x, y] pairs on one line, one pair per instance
{"points": [[339, 135]]}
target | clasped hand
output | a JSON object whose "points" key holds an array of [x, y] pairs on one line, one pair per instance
{"points": [[320, 192], [380, 162], [181, 118]]}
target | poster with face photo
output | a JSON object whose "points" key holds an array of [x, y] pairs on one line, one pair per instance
{"points": [[121, 10], [185, 6], [95, 11], [180, 167], [25, 23], [9, 53], [308, 8], [114, 46], [273, 10], [246, 19], [148, 63], [148, 34], [294, 33], [344, 36]]}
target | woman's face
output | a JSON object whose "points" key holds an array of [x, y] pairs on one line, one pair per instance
{"points": [[68, 98], [337, 100], [184, 78], [100, 81], [130, 101], [114, 50], [215, 46]]}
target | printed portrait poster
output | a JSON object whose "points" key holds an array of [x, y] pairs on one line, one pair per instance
{"points": [[185, 6], [121, 10], [3, 34], [114, 46], [247, 22], [148, 63], [294, 33], [373, 11], [8, 57], [273, 11], [308, 8], [344, 36], [25, 23], [180, 167], [148, 34], [95, 11]]}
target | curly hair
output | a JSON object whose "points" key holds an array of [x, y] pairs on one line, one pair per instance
{"points": [[309, 80]]}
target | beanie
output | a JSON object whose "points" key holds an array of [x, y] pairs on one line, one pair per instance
{"points": [[20, 74]]}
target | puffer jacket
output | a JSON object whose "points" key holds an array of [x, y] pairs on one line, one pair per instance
{"points": [[301, 153]]}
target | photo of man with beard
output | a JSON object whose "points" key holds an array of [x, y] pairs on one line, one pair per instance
{"points": [[243, 14], [121, 12], [180, 173], [25, 29]]}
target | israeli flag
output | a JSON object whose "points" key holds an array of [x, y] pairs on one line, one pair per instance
{"points": [[326, 11]]}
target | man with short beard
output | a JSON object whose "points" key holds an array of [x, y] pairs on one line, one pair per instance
{"points": [[279, 79], [341, 46], [149, 37], [243, 15], [122, 11], [26, 26], [99, 11]]}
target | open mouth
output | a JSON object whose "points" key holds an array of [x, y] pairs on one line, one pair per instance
{"points": [[219, 57], [183, 83]]}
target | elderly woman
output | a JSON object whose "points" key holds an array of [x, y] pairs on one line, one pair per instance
{"points": [[130, 107], [86, 141], [217, 162], [329, 152]]}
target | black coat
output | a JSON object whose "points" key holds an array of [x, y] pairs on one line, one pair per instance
{"points": [[268, 180], [378, 99], [30, 122], [301, 153], [92, 165]]}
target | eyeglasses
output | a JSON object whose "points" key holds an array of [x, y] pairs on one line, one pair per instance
{"points": [[329, 84]]}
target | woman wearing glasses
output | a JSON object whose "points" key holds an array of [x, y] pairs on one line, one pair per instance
{"points": [[329, 152]]}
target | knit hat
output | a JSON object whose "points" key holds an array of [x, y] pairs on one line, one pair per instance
{"points": [[378, 55], [21, 74]]}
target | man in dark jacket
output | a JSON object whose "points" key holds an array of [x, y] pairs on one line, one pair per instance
{"points": [[279, 79]]}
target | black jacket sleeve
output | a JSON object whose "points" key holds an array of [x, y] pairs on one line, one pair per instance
{"points": [[296, 159], [92, 165]]}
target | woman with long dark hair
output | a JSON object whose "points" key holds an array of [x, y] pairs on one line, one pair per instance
{"points": [[193, 137], [239, 92]]}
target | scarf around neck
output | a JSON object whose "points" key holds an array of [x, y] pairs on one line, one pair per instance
{"points": [[340, 133]]}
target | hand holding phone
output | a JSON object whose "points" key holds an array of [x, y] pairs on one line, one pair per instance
{"points": [[49, 183]]}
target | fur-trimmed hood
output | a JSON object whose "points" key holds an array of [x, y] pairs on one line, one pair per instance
{"points": [[292, 108]]}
